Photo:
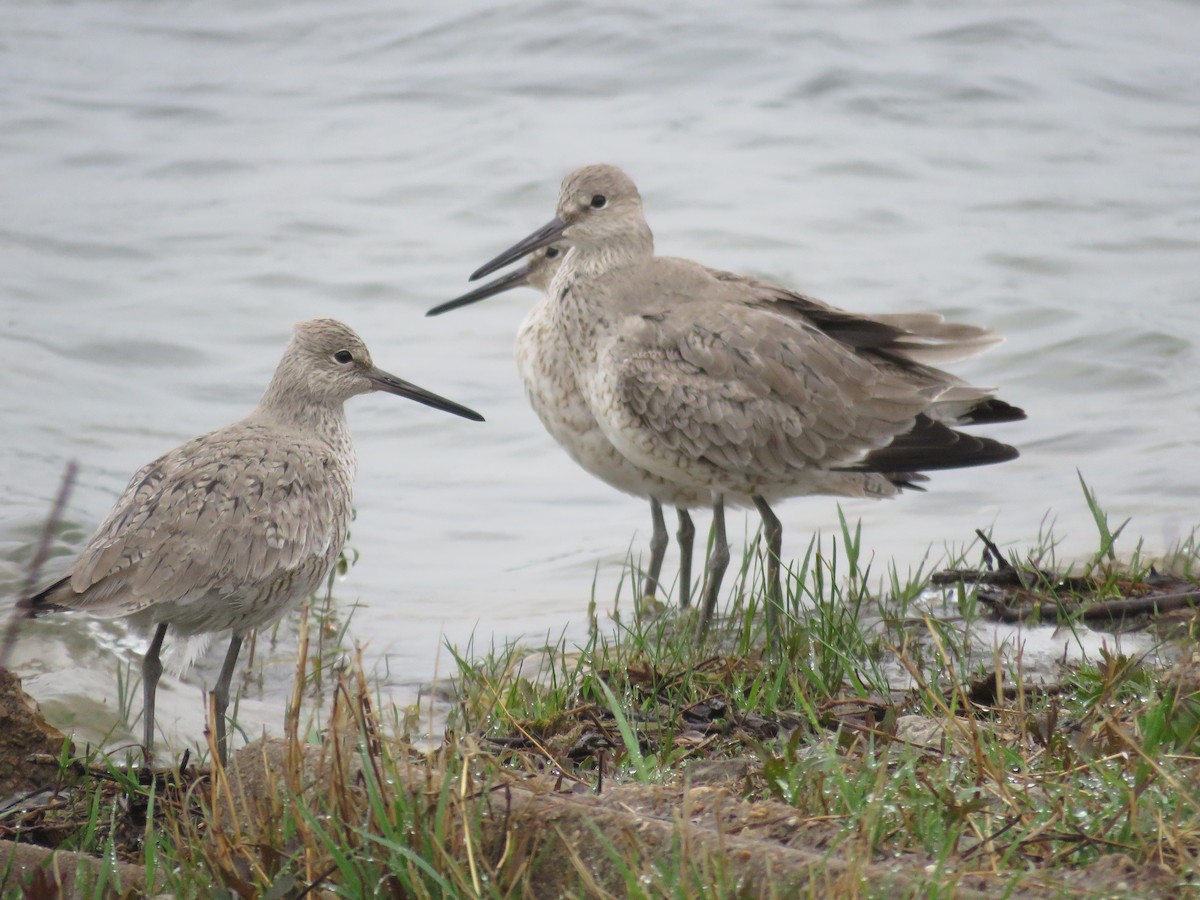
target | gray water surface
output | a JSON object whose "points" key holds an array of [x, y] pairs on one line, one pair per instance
{"points": [[183, 181]]}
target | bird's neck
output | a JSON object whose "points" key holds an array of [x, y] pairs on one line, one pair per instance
{"points": [[608, 253], [586, 298], [303, 411]]}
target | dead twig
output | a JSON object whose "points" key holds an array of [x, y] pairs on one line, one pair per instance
{"points": [[1108, 611], [39, 560]]}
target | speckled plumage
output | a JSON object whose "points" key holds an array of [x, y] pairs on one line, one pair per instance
{"points": [[544, 363], [232, 528], [225, 531], [735, 386]]}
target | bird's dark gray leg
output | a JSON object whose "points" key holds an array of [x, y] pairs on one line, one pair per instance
{"points": [[151, 672], [773, 532], [717, 563], [658, 549], [686, 535], [221, 693]]}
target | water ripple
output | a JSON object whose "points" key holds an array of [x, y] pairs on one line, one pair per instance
{"points": [[73, 249], [185, 181]]}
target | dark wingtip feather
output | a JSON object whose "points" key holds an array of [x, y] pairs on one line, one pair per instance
{"points": [[930, 446], [40, 603], [908, 481], [993, 411]]}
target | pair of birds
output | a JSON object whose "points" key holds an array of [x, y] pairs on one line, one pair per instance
{"points": [[664, 378], [688, 385]]}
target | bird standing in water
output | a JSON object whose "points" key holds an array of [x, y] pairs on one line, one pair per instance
{"points": [[231, 529]]}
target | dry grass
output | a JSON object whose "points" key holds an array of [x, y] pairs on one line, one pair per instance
{"points": [[639, 765]]}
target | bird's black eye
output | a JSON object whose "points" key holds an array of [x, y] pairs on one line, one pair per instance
{"points": [[344, 356], [599, 201], [551, 252]]}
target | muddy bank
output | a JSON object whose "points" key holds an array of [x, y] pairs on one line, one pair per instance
{"points": [[569, 837]]}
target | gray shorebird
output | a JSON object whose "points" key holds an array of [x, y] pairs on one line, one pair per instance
{"points": [[734, 386], [229, 530], [544, 363]]}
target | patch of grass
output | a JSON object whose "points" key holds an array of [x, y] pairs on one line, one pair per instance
{"points": [[891, 743]]}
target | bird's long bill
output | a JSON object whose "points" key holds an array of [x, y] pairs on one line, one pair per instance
{"points": [[543, 237], [515, 279], [382, 381]]}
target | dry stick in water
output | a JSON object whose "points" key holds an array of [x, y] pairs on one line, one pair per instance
{"points": [[1100, 611], [991, 549], [39, 559]]}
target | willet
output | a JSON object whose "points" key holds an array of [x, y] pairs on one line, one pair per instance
{"points": [[544, 362], [229, 530], [732, 385]]}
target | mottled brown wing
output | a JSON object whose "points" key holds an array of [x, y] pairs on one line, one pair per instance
{"points": [[750, 392], [190, 524]]}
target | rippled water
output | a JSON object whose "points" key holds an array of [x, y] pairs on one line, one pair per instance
{"points": [[182, 181]]}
